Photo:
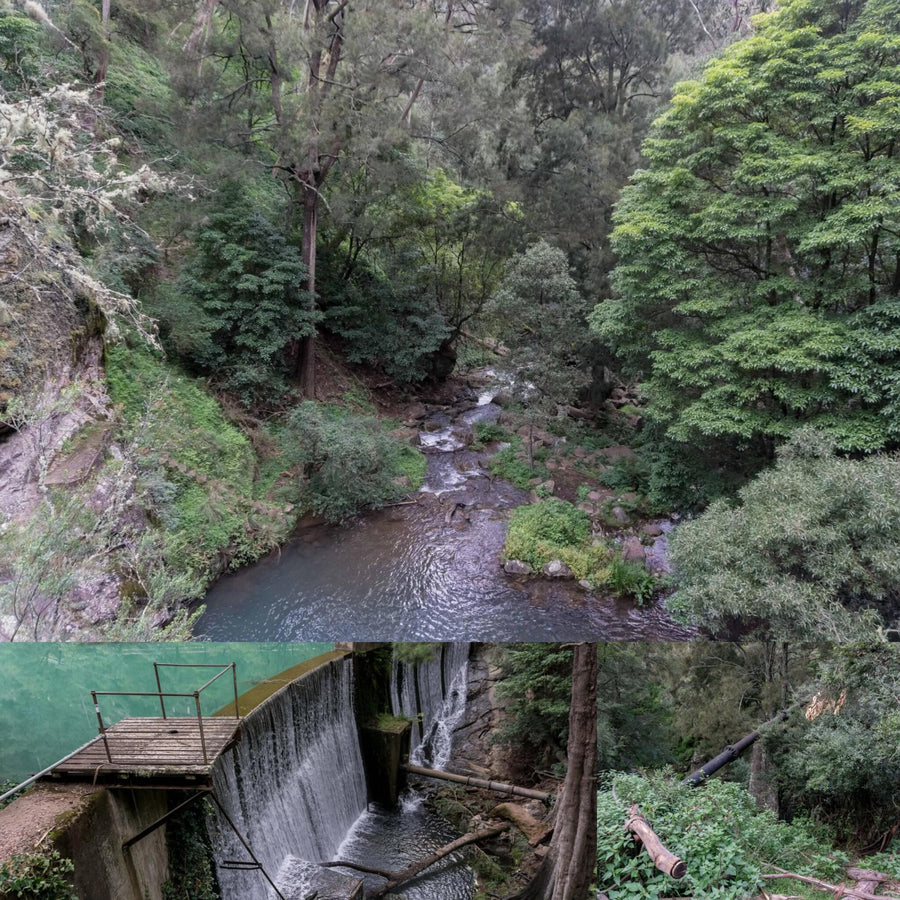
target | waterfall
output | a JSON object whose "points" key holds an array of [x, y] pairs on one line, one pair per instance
{"points": [[293, 785], [433, 695]]}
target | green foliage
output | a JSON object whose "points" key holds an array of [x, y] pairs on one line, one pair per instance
{"points": [[717, 830], [537, 685], [630, 579], [539, 315], [245, 284], [191, 872], [539, 532], [757, 251], [382, 320], [812, 550], [507, 465], [841, 763], [634, 711], [19, 50], [490, 432], [414, 652], [37, 876], [350, 462], [196, 469]]}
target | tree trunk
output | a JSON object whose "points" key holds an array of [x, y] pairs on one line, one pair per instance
{"points": [[761, 787], [196, 42], [567, 869], [103, 61], [305, 359]]}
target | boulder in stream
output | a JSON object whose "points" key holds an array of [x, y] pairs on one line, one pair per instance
{"points": [[556, 568], [517, 567]]}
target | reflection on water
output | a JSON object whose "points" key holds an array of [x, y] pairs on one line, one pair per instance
{"points": [[424, 572], [47, 710]]}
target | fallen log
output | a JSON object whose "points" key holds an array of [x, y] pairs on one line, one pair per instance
{"points": [[695, 779], [837, 890], [664, 860], [395, 879], [471, 781]]}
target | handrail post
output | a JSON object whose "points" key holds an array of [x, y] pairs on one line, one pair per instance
{"points": [[200, 724], [237, 714], [162, 700], [102, 726]]}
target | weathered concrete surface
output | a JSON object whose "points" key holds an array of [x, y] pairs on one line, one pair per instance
{"points": [[89, 826]]}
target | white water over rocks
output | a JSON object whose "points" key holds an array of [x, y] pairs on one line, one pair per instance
{"points": [[433, 695]]}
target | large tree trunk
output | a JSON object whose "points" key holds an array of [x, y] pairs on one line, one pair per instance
{"points": [[761, 787], [567, 869], [196, 42]]}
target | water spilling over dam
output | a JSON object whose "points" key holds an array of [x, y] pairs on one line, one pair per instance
{"points": [[296, 790]]}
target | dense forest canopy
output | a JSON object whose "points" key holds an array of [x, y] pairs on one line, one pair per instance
{"points": [[671, 226]]}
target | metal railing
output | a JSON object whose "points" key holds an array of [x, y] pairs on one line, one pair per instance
{"points": [[161, 695]]}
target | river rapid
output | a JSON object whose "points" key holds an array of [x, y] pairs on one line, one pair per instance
{"points": [[428, 570]]}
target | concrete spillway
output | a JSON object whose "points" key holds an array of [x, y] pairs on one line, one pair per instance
{"points": [[295, 785]]}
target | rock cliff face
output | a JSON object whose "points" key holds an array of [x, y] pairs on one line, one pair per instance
{"points": [[474, 752], [55, 421]]}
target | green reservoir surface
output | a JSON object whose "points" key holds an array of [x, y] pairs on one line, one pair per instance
{"points": [[47, 710]]}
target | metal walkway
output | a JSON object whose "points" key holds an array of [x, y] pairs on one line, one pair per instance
{"points": [[154, 751]]}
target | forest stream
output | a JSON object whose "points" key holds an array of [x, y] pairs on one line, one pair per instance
{"points": [[428, 570]]}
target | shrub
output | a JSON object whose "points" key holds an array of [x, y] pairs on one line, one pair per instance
{"points": [[509, 467], [717, 830], [349, 461], [37, 876], [542, 531], [630, 579]]}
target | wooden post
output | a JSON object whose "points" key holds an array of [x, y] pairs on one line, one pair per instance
{"points": [[664, 860]]}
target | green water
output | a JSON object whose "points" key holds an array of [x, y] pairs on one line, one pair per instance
{"points": [[46, 709]]}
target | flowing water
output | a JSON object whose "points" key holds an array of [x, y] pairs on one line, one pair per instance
{"points": [[294, 787], [426, 571]]}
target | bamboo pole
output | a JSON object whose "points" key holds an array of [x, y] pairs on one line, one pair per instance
{"points": [[469, 780]]}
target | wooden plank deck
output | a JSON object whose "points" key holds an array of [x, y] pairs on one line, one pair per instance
{"points": [[152, 750]]}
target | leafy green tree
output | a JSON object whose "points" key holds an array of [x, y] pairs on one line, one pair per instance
{"points": [[759, 250], [245, 282], [408, 261], [539, 315], [309, 85], [597, 72], [838, 760], [812, 550]]}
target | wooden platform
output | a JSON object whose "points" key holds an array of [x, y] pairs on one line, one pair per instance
{"points": [[152, 751]]}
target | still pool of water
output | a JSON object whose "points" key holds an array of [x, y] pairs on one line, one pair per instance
{"points": [[47, 710], [408, 574]]}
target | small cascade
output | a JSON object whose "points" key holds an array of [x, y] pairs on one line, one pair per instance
{"points": [[433, 695], [293, 785]]}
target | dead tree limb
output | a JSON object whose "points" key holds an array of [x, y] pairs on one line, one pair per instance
{"points": [[837, 890], [395, 879], [664, 860]]}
